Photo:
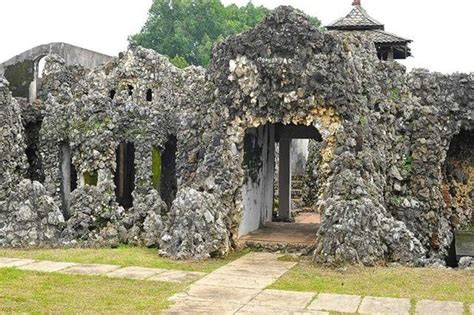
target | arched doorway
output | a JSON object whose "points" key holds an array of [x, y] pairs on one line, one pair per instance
{"points": [[458, 194], [263, 218]]}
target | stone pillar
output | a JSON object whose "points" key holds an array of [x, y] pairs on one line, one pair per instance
{"points": [[284, 180], [66, 177], [32, 92]]}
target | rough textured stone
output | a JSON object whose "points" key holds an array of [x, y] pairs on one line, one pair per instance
{"points": [[389, 174]]}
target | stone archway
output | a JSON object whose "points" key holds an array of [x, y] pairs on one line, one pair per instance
{"points": [[264, 221]]}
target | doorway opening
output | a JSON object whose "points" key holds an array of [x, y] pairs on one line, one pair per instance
{"points": [[125, 174], [458, 194], [68, 178], [168, 179], [265, 218]]}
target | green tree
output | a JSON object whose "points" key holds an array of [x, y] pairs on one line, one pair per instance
{"points": [[186, 30]]}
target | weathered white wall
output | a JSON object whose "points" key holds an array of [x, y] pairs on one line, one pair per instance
{"points": [[299, 156], [257, 195]]}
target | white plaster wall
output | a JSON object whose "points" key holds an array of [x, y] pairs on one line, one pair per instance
{"points": [[298, 156], [258, 196]]}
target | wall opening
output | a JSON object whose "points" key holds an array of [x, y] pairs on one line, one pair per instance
{"points": [[259, 163], [20, 76], [149, 95], [112, 94], [168, 179], [458, 186], [125, 174], [32, 138], [40, 67], [68, 178], [130, 90], [458, 194]]}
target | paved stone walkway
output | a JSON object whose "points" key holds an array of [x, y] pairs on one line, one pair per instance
{"points": [[137, 273], [239, 288]]}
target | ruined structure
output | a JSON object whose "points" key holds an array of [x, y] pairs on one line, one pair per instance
{"points": [[138, 151]]}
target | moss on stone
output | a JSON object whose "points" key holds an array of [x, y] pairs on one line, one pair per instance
{"points": [[91, 178], [155, 168], [408, 165], [395, 94]]}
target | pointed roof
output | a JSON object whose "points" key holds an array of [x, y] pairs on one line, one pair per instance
{"points": [[357, 19]]}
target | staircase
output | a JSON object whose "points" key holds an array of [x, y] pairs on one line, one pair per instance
{"points": [[297, 184]]}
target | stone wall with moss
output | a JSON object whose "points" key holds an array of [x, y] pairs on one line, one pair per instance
{"points": [[381, 189]]}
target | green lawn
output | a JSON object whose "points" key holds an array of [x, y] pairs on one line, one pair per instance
{"points": [[399, 282], [40, 293], [122, 256]]}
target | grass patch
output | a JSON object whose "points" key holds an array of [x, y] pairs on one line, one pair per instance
{"points": [[469, 228], [40, 293], [122, 256], [399, 282]]}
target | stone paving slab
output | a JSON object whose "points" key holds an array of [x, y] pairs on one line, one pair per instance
{"points": [[194, 306], [137, 273], [177, 276], [260, 309], [386, 306], [283, 299], [47, 266], [239, 273], [341, 303], [204, 292], [14, 262], [428, 307], [91, 269], [230, 281]]}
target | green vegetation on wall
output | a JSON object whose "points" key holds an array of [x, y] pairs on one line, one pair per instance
{"points": [[155, 168], [91, 179], [408, 165], [186, 30]]}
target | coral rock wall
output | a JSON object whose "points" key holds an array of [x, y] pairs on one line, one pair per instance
{"points": [[384, 181]]}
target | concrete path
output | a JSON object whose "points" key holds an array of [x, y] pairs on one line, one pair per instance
{"points": [[113, 271], [239, 288]]}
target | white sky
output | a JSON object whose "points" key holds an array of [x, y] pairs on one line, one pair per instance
{"points": [[441, 29]]}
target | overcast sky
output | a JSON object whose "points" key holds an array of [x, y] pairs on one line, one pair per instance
{"points": [[441, 30]]}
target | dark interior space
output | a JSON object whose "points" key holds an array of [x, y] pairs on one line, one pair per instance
{"points": [[168, 182], [32, 130], [149, 95], [125, 174]]}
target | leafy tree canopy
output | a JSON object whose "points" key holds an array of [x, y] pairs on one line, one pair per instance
{"points": [[186, 30]]}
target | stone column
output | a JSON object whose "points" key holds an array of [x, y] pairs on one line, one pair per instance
{"points": [[284, 180]]}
